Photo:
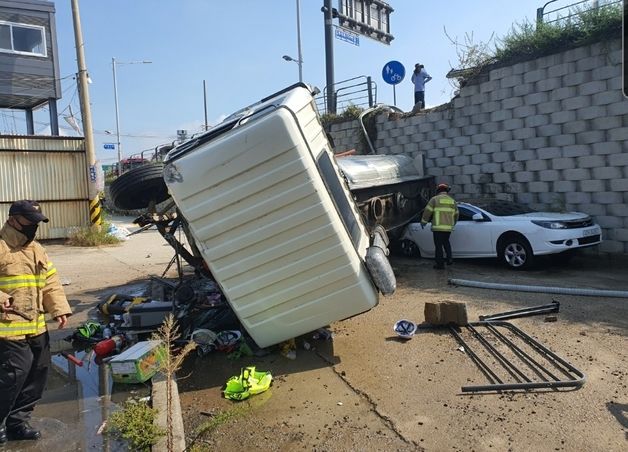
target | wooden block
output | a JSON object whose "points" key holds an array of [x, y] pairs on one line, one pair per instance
{"points": [[432, 313]]}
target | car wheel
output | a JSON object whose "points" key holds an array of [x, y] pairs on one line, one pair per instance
{"points": [[409, 248], [515, 252], [139, 187]]}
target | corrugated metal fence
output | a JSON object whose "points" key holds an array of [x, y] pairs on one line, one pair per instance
{"points": [[51, 171]]}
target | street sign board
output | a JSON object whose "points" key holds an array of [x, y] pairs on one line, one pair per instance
{"points": [[393, 72], [347, 36], [109, 146], [370, 18]]}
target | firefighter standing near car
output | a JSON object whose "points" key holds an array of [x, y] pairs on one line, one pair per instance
{"points": [[442, 211], [29, 287]]}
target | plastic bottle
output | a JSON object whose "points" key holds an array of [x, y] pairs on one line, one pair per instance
{"points": [[108, 346]]}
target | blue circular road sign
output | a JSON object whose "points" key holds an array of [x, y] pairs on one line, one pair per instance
{"points": [[393, 72]]}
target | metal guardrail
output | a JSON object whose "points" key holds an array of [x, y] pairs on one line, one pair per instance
{"points": [[358, 91], [570, 12]]}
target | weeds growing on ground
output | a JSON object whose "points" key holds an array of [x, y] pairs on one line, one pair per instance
{"points": [[135, 423], [168, 333], [211, 425], [92, 236]]}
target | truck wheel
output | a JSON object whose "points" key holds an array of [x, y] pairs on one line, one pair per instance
{"points": [[137, 188]]}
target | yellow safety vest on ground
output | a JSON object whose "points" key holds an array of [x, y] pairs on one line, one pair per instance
{"points": [[442, 211], [30, 279]]}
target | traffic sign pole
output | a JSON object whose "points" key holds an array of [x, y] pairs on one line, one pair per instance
{"points": [[393, 73]]}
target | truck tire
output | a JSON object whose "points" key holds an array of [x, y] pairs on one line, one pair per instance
{"points": [[137, 188]]}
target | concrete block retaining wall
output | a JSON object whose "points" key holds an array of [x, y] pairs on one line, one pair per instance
{"points": [[550, 132]]}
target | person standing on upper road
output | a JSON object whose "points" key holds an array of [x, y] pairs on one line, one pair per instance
{"points": [[442, 211], [420, 77], [29, 287]]}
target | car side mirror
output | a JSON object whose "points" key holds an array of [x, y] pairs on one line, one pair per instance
{"points": [[477, 217]]}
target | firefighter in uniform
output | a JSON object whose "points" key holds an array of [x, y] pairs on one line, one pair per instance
{"points": [[29, 287], [443, 213]]}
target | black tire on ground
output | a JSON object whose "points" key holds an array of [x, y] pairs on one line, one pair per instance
{"points": [[515, 252], [409, 248], [136, 188]]}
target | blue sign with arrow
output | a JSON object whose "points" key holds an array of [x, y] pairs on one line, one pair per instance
{"points": [[393, 72]]}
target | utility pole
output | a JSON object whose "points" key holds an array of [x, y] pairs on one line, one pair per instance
{"points": [[205, 105], [95, 215], [299, 54], [329, 56]]}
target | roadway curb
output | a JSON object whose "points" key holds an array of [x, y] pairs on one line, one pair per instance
{"points": [[159, 397]]}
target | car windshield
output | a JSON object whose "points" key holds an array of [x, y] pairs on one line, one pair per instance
{"points": [[501, 208]]}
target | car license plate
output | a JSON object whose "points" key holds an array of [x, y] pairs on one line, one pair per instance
{"points": [[590, 232]]}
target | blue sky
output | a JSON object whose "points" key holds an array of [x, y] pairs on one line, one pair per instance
{"points": [[236, 46]]}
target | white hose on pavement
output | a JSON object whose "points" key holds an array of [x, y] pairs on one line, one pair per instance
{"points": [[541, 289]]}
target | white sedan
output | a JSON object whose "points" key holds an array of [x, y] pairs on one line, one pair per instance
{"points": [[512, 232]]}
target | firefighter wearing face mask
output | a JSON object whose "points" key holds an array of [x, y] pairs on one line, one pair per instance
{"points": [[29, 287]]}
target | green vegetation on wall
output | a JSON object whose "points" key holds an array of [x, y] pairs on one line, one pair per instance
{"points": [[526, 41]]}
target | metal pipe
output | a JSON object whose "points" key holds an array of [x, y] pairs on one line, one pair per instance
{"points": [[510, 367], [545, 351], [541, 289], [525, 312], [115, 98], [329, 55], [576, 378], [523, 356], [475, 358], [299, 54]]}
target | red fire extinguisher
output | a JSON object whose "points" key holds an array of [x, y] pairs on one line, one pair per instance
{"points": [[108, 346]]}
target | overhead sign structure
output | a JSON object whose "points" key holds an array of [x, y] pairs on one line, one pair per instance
{"points": [[393, 72], [109, 146], [370, 18], [347, 36]]}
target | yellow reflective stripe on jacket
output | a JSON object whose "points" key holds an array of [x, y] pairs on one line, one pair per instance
{"points": [[10, 328], [15, 282], [442, 211], [51, 270]]}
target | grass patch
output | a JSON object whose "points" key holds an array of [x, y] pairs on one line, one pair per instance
{"points": [[135, 424], [527, 40], [92, 236]]}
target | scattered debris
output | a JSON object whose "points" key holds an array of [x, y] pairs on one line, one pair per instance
{"points": [[339, 404], [551, 318], [405, 328], [102, 428], [288, 349], [508, 348], [446, 312], [322, 334], [138, 363], [248, 383], [118, 232], [73, 359]]}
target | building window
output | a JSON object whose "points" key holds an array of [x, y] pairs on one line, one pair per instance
{"points": [[22, 39]]}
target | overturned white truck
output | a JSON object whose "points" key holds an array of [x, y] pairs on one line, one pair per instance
{"points": [[275, 221]]}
